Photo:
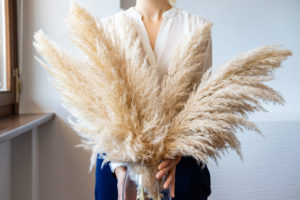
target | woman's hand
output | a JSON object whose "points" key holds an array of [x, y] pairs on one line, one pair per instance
{"points": [[130, 190], [168, 166], [120, 174]]}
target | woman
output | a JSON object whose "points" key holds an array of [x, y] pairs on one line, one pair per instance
{"points": [[161, 27]]}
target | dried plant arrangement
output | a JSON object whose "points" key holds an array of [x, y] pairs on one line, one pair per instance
{"points": [[122, 110]]}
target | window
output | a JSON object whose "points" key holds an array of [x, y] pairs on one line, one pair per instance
{"points": [[2, 50], [9, 75]]}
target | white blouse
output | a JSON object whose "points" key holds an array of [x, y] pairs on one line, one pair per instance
{"points": [[175, 24]]}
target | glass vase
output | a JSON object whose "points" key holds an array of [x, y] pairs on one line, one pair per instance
{"points": [[133, 190]]}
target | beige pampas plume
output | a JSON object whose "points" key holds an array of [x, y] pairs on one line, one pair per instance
{"points": [[185, 69], [206, 125], [120, 107]]}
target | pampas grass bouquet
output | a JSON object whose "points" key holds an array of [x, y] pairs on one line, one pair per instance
{"points": [[121, 110]]}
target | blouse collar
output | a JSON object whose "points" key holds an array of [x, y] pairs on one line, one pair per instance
{"points": [[168, 13]]}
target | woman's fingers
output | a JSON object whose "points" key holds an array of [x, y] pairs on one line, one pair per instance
{"points": [[167, 162], [164, 164], [162, 172], [169, 180], [168, 165], [178, 158], [172, 187]]}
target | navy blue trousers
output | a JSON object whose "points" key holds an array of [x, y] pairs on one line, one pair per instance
{"points": [[191, 183]]}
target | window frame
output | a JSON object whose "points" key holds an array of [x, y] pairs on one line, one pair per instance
{"points": [[8, 101]]}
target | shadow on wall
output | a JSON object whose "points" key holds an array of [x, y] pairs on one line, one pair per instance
{"points": [[62, 166]]}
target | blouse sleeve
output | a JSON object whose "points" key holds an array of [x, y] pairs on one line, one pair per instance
{"points": [[114, 165]]}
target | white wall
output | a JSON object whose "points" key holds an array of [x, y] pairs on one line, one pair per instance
{"points": [[242, 25], [271, 165], [63, 169]]}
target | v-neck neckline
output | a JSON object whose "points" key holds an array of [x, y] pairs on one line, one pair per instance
{"points": [[157, 36], [168, 13]]}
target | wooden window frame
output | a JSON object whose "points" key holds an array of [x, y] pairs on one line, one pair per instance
{"points": [[9, 99]]}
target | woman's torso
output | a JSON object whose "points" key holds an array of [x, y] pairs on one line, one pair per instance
{"points": [[175, 25]]}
